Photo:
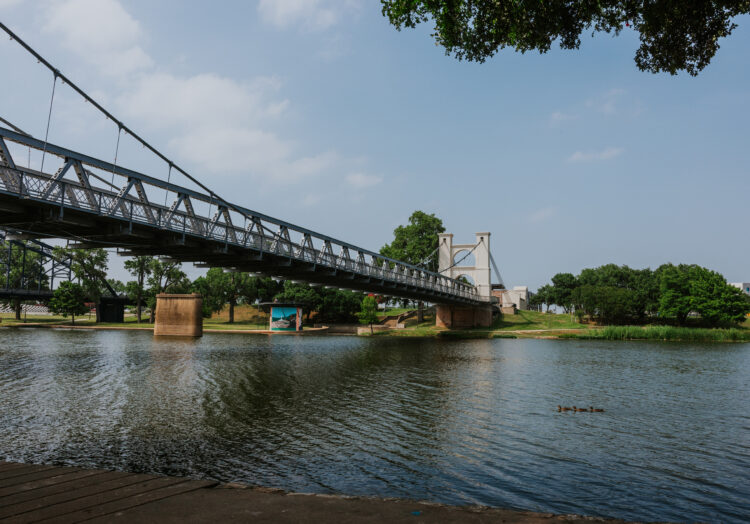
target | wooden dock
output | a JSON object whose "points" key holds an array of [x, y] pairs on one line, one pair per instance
{"points": [[51, 494], [34, 493]]}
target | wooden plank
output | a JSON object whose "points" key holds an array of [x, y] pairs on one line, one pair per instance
{"points": [[9, 465], [81, 503], [33, 475], [48, 504], [25, 469], [139, 499], [47, 486]]}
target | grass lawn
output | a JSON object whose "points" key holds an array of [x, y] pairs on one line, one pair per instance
{"points": [[525, 320]]}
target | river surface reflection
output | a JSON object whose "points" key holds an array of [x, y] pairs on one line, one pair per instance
{"points": [[450, 421]]}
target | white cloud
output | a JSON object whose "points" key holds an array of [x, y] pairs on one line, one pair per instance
{"points": [[217, 124], [540, 215], [607, 153], [101, 31], [314, 15], [607, 103], [166, 100], [361, 180]]}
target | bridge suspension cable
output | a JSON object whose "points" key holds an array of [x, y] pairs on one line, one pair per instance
{"points": [[49, 118], [408, 279], [121, 125]]}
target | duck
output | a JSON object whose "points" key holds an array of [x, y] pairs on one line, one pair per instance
{"points": [[561, 408], [579, 409], [591, 408]]}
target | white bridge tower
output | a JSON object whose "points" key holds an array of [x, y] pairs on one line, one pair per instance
{"points": [[450, 255]]}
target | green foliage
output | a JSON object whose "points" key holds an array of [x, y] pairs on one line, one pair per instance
{"points": [[90, 268], [165, 277], [561, 293], [68, 299], [117, 285], [674, 35], [416, 241], [140, 268], [331, 305], [670, 333], [544, 296], [219, 288], [620, 295], [368, 313], [691, 288]]}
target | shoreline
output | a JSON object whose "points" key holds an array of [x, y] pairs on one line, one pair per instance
{"points": [[608, 333], [37, 492]]}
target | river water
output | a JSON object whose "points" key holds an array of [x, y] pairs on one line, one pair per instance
{"points": [[460, 422]]}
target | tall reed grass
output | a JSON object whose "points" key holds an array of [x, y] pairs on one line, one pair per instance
{"points": [[671, 333]]}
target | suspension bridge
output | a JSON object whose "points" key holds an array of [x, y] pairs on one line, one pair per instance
{"points": [[95, 203]]}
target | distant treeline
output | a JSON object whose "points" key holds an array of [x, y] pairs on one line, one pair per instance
{"points": [[672, 294]]}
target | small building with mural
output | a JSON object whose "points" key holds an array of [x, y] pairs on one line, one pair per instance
{"points": [[284, 316]]}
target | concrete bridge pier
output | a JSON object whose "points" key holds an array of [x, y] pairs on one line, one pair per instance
{"points": [[179, 315], [463, 316]]}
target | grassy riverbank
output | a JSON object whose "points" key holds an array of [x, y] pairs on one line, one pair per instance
{"points": [[526, 324], [740, 334], [532, 324]]}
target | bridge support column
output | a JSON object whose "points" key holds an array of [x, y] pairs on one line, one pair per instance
{"points": [[179, 315], [463, 316]]}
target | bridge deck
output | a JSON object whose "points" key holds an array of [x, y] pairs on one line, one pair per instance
{"points": [[78, 204]]}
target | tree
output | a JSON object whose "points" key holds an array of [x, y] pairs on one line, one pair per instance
{"points": [[674, 35], [117, 286], [561, 293], [674, 298], [369, 311], [165, 277], [140, 268], [222, 287], [305, 294], [69, 299], [714, 300], [543, 296], [21, 269], [90, 268], [416, 243], [331, 305]]}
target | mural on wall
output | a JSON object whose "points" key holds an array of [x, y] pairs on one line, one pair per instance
{"points": [[284, 318]]}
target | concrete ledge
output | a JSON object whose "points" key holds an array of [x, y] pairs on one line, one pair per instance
{"points": [[365, 330]]}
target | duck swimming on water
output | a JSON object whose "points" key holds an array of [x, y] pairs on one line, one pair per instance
{"points": [[591, 408], [561, 408], [579, 409]]}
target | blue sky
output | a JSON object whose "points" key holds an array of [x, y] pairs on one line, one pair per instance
{"points": [[320, 113]]}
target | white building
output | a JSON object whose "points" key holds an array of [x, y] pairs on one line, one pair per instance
{"points": [[518, 296], [743, 286]]}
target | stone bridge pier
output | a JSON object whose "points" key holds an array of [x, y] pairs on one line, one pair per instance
{"points": [[450, 256]]}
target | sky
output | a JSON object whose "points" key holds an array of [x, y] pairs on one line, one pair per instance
{"points": [[320, 113]]}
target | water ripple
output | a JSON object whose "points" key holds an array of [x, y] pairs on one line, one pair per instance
{"points": [[455, 422]]}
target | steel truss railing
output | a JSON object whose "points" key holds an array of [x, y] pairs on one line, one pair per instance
{"points": [[41, 282], [76, 185]]}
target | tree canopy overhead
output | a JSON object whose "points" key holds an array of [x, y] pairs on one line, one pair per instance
{"points": [[675, 35]]}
